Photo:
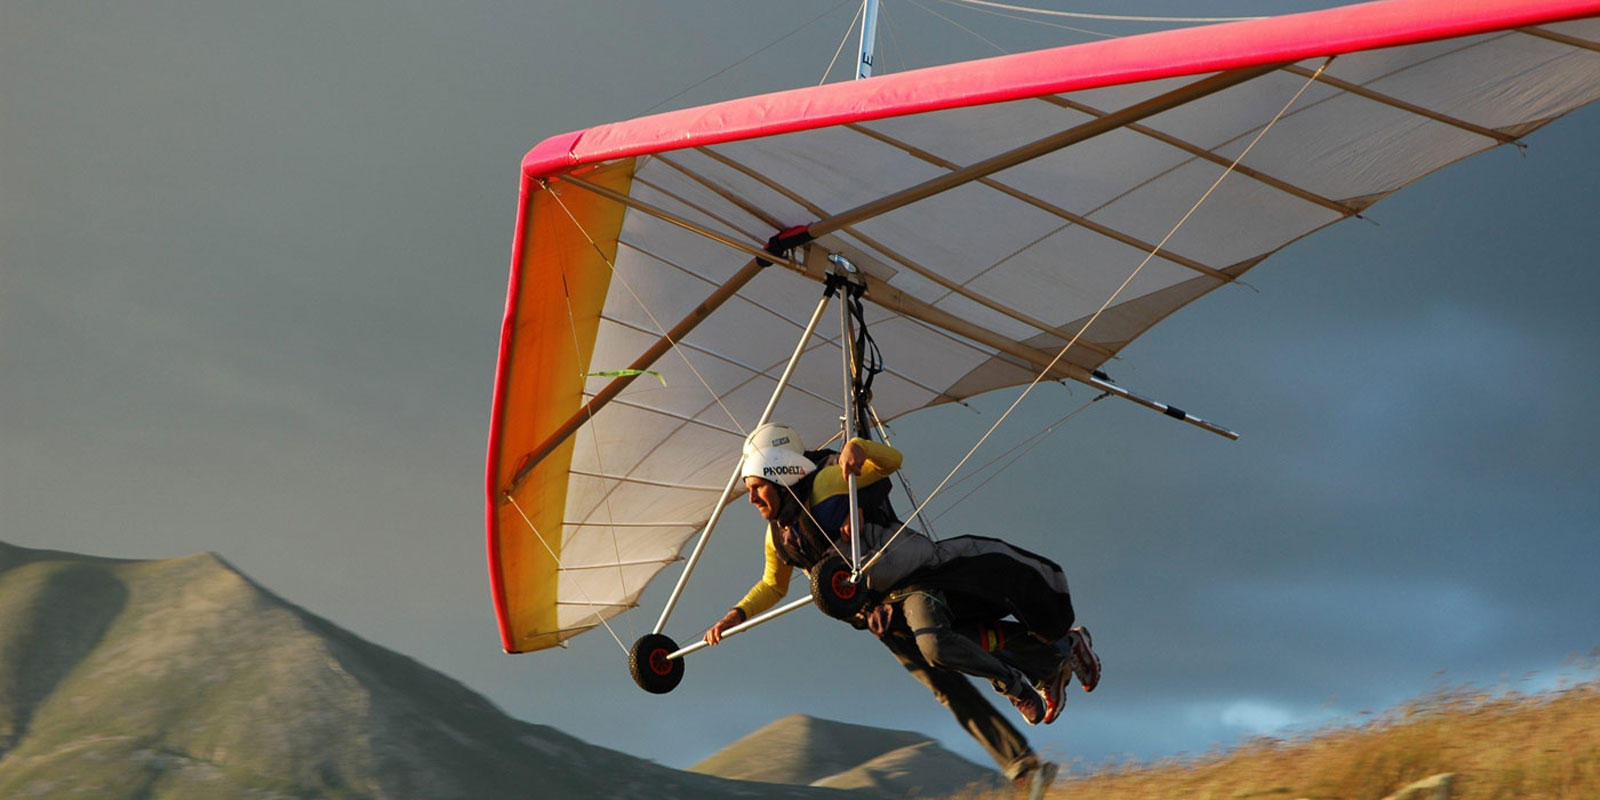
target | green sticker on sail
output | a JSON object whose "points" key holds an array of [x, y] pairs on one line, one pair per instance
{"points": [[626, 373]]}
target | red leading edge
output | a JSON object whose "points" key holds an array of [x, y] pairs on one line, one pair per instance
{"points": [[1166, 54]]}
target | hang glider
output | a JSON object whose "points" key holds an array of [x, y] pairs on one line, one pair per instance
{"points": [[992, 210]]}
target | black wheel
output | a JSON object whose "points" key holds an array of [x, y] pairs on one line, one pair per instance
{"points": [[652, 670], [834, 592]]}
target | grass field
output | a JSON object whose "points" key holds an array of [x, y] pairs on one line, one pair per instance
{"points": [[1497, 746]]}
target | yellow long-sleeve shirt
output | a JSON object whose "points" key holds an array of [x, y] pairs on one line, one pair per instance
{"points": [[830, 483]]}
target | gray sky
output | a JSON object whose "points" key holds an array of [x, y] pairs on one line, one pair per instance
{"points": [[252, 267]]}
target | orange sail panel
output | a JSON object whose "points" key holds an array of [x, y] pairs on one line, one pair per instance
{"points": [[552, 316]]}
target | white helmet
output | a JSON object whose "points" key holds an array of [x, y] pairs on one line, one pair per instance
{"points": [[777, 464], [772, 435]]}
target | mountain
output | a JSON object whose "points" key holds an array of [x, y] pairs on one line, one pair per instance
{"points": [[798, 749], [182, 678]]}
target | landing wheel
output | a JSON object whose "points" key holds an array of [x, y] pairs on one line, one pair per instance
{"points": [[651, 669], [834, 592]]}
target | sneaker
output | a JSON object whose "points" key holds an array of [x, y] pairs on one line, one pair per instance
{"points": [[1054, 690], [1035, 781], [1085, 664], [1030, 704]]}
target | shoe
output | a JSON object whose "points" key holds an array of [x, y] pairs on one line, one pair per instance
{"points": [[1054, 690], [1030, 705], [1035, 781], [1081, 655]]}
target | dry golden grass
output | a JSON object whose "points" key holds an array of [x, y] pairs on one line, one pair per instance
{"points": [[1520, 746]]}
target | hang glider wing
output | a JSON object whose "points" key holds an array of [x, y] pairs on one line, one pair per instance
{"points": [[994, 207]]}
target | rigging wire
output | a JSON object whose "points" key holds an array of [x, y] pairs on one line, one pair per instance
{"points": [[616, 547], [905, 482], [557, 559], [867, 358], [1104, 17], [1003, 15], [842, 42], [885, 25], [804, 504], [691, 87], [998, 10], [637, 299], [969, 31], [611, 264], [1107, 304], [623, 280], [1020, 449]]}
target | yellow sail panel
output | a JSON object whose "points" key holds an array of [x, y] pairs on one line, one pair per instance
{"points": [[561, 279]]}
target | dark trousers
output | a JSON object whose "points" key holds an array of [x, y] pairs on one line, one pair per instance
{"points": [[1014, 644], [985, 723]]}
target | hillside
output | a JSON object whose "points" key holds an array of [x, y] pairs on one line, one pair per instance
{"points": [[183, 679], [1459, 744], [1509, 746], [803, 750]]}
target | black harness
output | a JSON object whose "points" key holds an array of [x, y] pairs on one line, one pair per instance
{"points": [[799, 541], [796, 537]]}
